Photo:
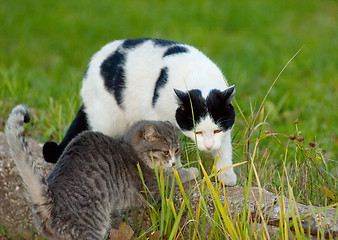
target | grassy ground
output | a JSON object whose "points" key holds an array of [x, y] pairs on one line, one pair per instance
{"points": [[46, 46]]}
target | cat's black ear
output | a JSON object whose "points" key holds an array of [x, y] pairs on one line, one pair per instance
{"points": [[150, 133], [180, 95], [229, 94]]}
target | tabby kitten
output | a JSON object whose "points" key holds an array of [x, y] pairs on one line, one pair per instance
{"points": [[154, 79], [95, 176]]}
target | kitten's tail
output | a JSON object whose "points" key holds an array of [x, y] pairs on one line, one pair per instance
{"points": [[38, 192]]}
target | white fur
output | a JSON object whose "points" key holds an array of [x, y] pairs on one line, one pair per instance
{"points": [[207, 140], [186, 71]]}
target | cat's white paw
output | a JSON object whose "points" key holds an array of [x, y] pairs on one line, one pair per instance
{"points": [[228, 177], [187, 174]]}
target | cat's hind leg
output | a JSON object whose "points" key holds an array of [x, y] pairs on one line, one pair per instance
{"points": [[52, 151]]}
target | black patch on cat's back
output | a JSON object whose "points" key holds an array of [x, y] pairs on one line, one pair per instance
{"points": [[163, 42], [112, 71], [183, 114], [175, 50], [222, 112], [160, 83], [132, 43]]}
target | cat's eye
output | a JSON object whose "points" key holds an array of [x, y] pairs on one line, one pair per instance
{"points": [[166, 153], [217, 131], [199, 133], [177, 151]]}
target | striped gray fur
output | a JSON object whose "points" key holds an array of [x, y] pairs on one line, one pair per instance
{"points": [[95, 175]]}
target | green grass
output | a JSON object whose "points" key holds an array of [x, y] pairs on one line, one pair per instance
{"points": [[46, 46]]}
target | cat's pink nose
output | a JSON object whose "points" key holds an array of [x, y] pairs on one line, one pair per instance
{"points": [[208, 147]]}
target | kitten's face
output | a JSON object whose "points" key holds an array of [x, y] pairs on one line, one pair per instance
{"points": [[214, 116], [157, 140]]}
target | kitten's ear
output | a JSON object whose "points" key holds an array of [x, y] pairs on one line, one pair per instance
{"points": [[150, 133], [169, 124], [179, 98], [229, 94]]}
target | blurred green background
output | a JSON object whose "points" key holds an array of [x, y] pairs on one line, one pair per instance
{"points": [[46, 46]]}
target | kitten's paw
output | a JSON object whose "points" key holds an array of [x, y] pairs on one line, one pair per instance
{"points": [[51, 152], [187, 174], [228, 177], [194, 172]]}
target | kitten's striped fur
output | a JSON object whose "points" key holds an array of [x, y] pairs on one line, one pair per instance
{"points": [[95, 176]]}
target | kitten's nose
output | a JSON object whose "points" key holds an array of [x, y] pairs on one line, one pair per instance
{"points": [[172, 161]]}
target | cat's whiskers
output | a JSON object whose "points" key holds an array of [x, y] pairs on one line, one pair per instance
{"points": [[193, 152], [219, 152], [190, 144]]}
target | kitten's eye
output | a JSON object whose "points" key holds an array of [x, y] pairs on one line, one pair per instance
{"points": [[199, 133], [177, 151], [166, 153], [217, 131]]}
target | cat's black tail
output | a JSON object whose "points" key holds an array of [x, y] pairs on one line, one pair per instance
{"points": [[36, 185], [52, 151]]}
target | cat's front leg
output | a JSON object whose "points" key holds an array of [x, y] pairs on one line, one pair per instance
{"points": [[186, 174], [228, 177]]}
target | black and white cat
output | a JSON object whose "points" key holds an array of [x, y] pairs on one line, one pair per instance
{"points": [[153, 79]]}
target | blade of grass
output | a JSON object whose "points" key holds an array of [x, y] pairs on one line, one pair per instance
{"points": [[177, 219], [229, 225]]}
